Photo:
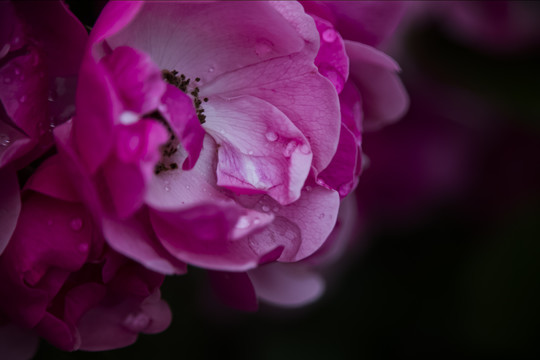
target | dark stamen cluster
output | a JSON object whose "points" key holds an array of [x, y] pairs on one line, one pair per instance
{"points": [[181, 82], [168, 149]]}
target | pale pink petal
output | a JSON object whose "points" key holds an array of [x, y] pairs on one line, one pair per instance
{"points": [[260, 149], [301, 227], [10, 205], [215, 35], [288, 285], [384, 98]]}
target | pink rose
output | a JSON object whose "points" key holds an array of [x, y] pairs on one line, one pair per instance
{"points": [[63, 283], [200, 131]]}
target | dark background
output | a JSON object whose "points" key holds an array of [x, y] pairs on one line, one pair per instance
{"points": [[459, 278]]}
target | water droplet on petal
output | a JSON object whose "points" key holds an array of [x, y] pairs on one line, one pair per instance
{"points": [[22, 99], [16, 40], [308, 188], [7, 80], [256, 221], [211, 69], [275, 209], [271, 136], [250, 152], [76, 224], [242, 223], [167, 188], [83, 247], [321, 216], [304, 149], [5, 50], [265, 208], [187, 187], [4, 140], [289, 149], [263, 47], [17, 71], [137, 322], [127, 117], [329, 35]]}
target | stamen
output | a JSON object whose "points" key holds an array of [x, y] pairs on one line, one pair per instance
{"points": [[181, 82]]}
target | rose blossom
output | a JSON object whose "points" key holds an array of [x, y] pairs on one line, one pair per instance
{"points": [[41, 46], [60, 280], [216, 164], [371, 96]]}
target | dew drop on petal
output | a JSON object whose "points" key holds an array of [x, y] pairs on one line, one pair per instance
{"points": [[16, 40], [321, 216], [4, 140], [76, 224], [5, 50], [7, 80], [242, 223], [329, 35], [128, 117], [256, 221], [136, 322], [304, 149], [211, 69], [167, 188], [83, 247], [17, 71], [271, 136], [22, 99], [308, 188], [263, 47], [265, 208], [289, 148], [250, 152]]}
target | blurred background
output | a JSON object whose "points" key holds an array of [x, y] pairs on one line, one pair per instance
{"points": [[447, 261]]}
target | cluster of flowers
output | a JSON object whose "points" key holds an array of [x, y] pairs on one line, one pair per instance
{"points": [[219, 135]]}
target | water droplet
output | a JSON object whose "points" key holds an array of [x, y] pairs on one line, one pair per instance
{"points": [[167, 188], [275, 209], [137, 322], [263, 47], [242, 223], [308, 188], [289, 149], [265, 208], [76, 224], [321, 216], [187, 187], [126, 117], [4, 140], [83, 247], [211, 69], [16, 40], [271, 136], [7, 80], [17, 71], [256, 221], [304, 149], [329, 35], [22, 99], [250, 152]]}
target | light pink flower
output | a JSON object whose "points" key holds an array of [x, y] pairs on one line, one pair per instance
{"points": [[227, 188]]}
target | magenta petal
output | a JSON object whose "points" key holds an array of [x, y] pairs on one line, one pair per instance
{"points": [[208, 235], [52, 179], [135, 239], [287, 285], [17, 343], [341, 174], [10, 205], [136, 79], [126, 184], [234, 290], [384, 98], [158, 311], [180, 113], [260, 149]]}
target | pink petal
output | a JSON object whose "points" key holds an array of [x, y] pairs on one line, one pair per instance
{"points": [[10, 205], [135, 239], [52, 179], [301, 227], [288, 285], [375, 74], [179, 111], [210, 32], [136, 79], [260, 149]]}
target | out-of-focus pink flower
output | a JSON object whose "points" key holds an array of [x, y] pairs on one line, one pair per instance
{"points": [[215, 165], [61, 282], [41, 45]]}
